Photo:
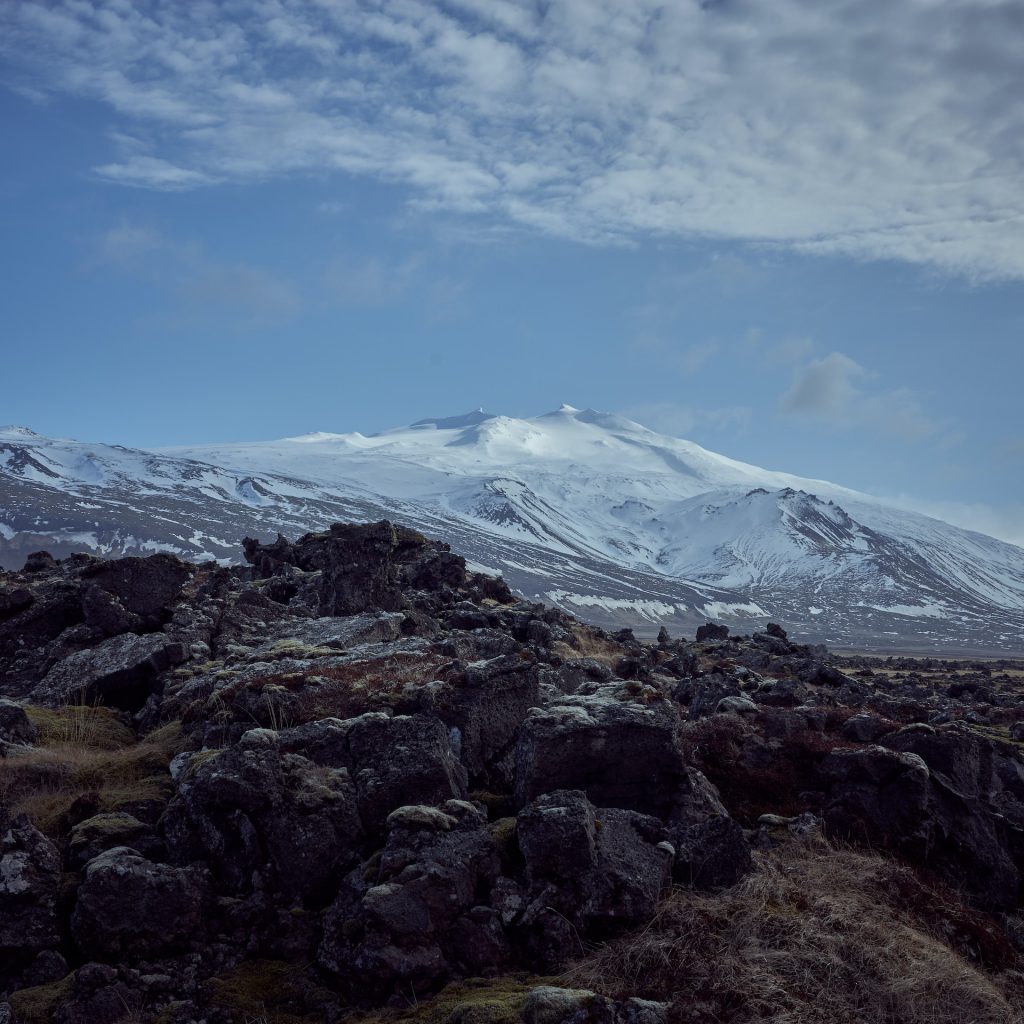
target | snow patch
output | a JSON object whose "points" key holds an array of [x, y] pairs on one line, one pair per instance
{"points": [[724, 610], [914, 611], [653, 610], [487, 570]]}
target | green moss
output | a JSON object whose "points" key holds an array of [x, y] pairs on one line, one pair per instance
{"points": [[38, 1005], [111, 823], [476, 1001], [503, 835], [499, 805], [272, 989], [296, 649]]}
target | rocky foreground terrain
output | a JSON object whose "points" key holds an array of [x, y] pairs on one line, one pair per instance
{"points": [[353, 781]]}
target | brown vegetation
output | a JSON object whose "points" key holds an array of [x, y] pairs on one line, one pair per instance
{"points": [[85, 754], [588, 644], [816, 935]]}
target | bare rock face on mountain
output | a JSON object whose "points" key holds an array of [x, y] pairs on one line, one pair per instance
{"points": [[365, 773]]}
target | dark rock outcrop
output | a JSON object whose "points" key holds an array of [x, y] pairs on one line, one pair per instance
{"points": [[363, 764], [415, 919], [621, 747], [128, 905], [30, 876], [261, 817], [120, 671]]}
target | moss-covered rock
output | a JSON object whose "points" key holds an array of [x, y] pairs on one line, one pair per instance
{"points": [[39, 1004], [269, 990]]}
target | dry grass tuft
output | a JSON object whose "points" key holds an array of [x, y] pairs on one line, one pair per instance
{"points": [[80, 725], [587, 644], [86, 750], [344, 691], [816, 935]]}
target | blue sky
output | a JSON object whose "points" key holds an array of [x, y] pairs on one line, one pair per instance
{"points": [[791, 232]]}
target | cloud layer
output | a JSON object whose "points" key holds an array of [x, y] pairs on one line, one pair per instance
{"points": [[836, 389], [878, 129]]}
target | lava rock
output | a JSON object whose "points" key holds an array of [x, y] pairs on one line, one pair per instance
{"points": [[259, 815], [15, 726], [710, 854], [712, 631], [30, 875], [415, 921], [121, 671], [127, 906], [622, 752]]}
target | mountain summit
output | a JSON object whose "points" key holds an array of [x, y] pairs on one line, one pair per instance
{"points": [[587, 510]]}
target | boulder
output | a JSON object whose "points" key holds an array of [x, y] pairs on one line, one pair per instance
{"points": [[878, 796], [710, 854], [39, 561], [712, 631], [866, 728], [622, 751], [127, 906], [738, 705], [30, 875], [259, 815], [484, 706], [121, 671], [393, 761], [602, 869], [143, 587], [414, 920], [977, 807], [15, 726], [90, 838], [548, 1004]]}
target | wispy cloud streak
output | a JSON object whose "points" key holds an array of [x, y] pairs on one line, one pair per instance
{"points": [[877, 130]]}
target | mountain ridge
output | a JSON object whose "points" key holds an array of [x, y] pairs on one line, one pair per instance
{"points": [[585, 509]]}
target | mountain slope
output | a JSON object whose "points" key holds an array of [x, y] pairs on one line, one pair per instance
{"points": [[588, 510]]}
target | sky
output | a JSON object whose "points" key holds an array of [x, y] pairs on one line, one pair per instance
{"points": [[792, 232]]}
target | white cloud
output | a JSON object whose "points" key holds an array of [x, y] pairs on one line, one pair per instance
{"points": [[825, 387], [152, 172], [838, 390], [886, 131], [125, 245]]}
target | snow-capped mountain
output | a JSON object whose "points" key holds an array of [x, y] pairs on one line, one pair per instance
{"points": [[587, 510]]}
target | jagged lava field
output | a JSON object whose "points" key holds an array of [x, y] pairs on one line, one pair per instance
{"points": [[354, 780]]}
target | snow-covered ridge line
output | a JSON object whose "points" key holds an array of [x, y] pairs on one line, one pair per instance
{"points": [[590, 508]]}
